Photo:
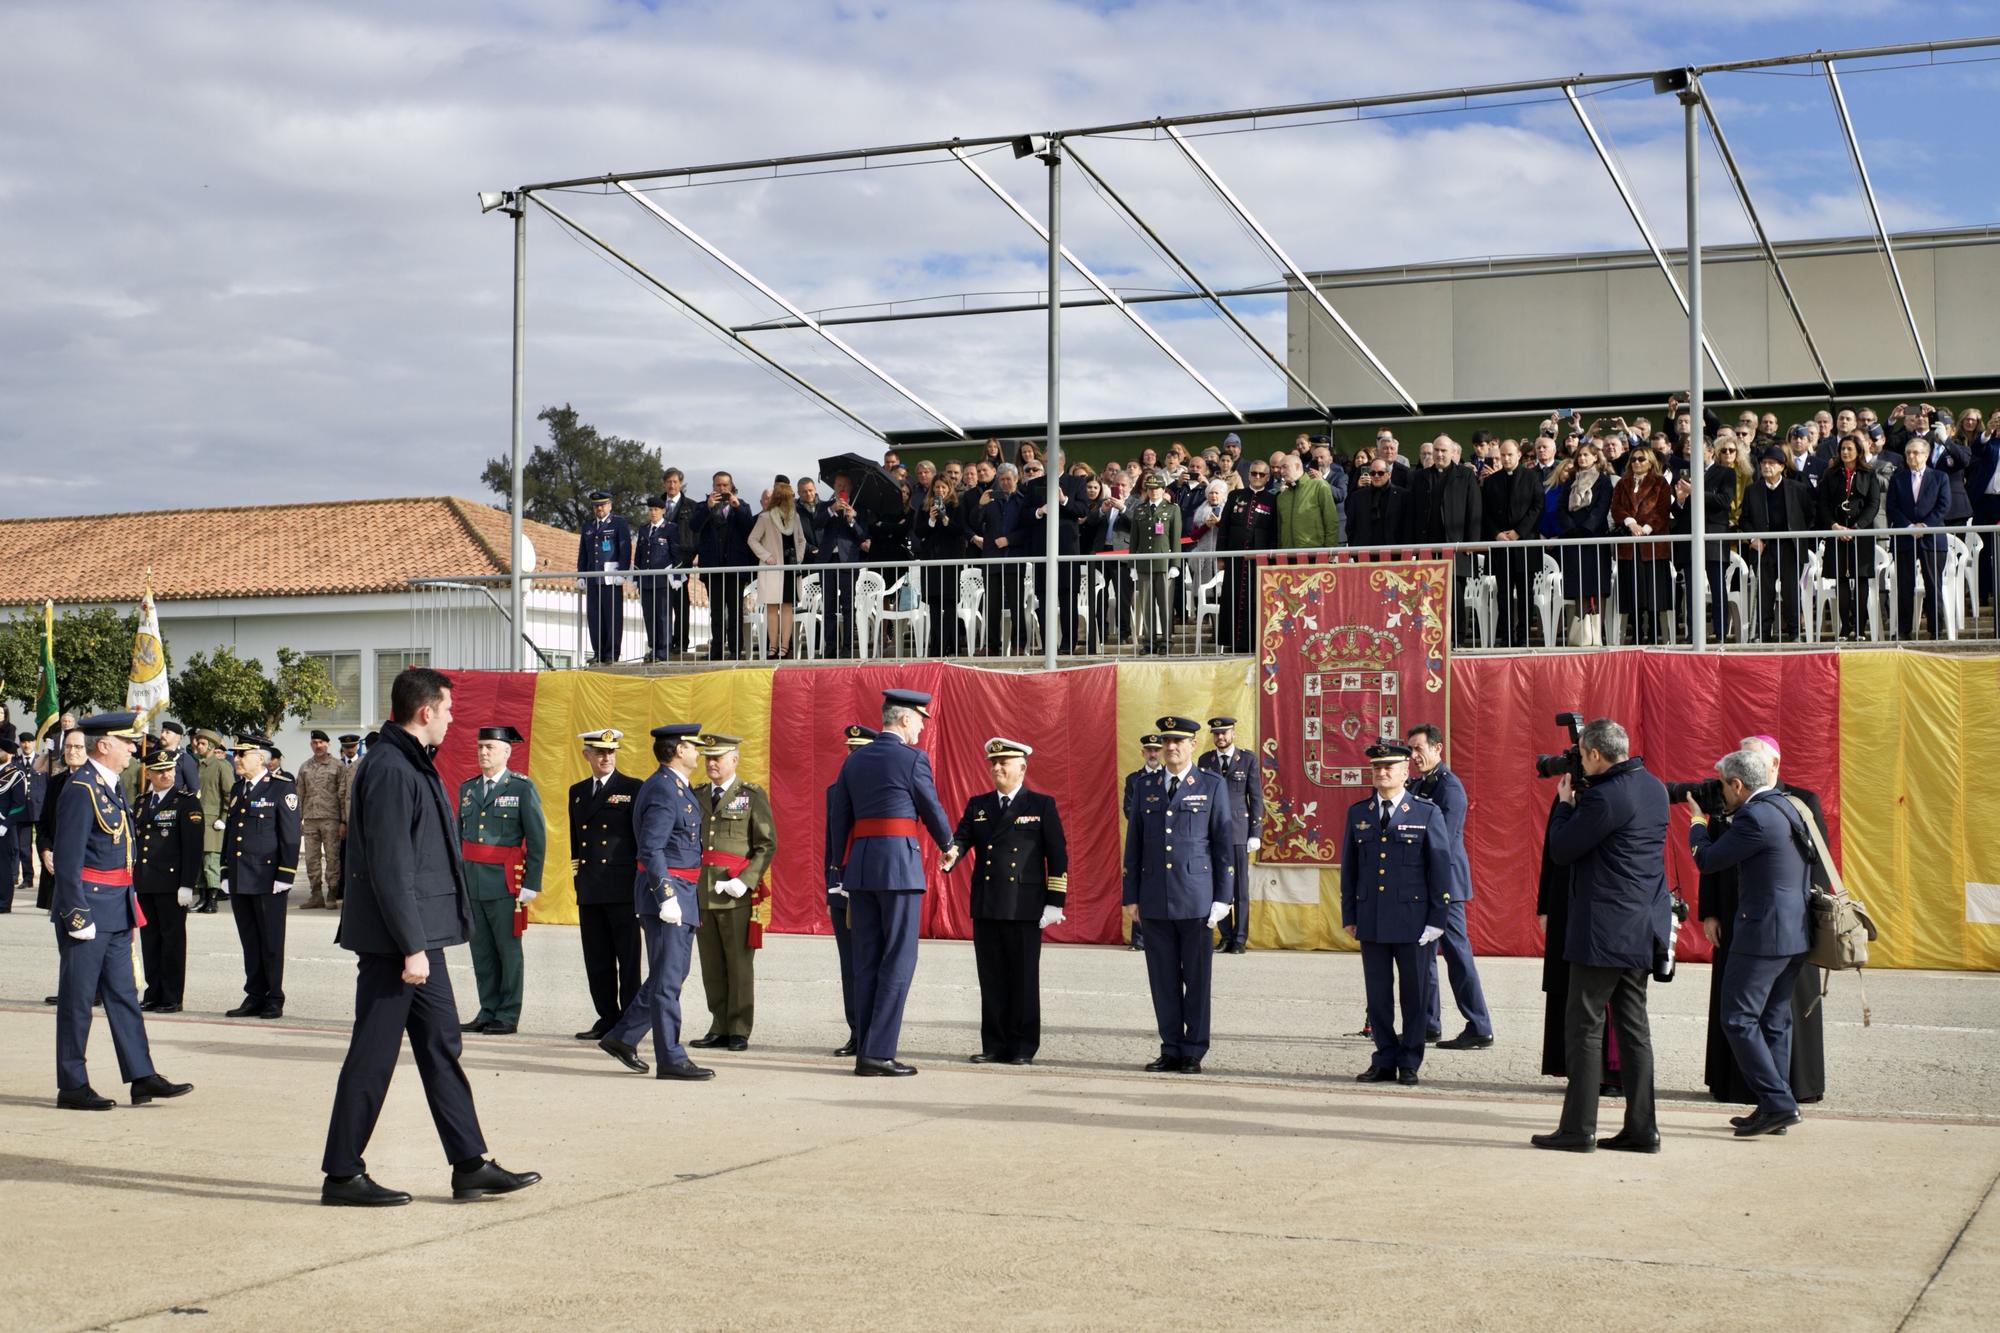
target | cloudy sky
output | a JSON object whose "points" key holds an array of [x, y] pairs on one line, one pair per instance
{"points": [[243, 261]]}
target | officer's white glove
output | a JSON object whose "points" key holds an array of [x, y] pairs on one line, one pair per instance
{"points": [[185, 897], [528, 896], [221, 824], [1431, 935], [1253, 844], [837, 889], [735, 888], [225, 888], [670, 910], [89, 932], [281, 886], [582, 584], [1216, 912], [1051, 916]]}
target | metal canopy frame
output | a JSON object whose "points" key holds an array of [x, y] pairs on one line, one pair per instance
{"points": [[1051, 147]]}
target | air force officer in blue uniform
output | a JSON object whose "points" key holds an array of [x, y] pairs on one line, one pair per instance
{"points": [[1238, 770], [855, 736], [604, 544], [884, 801], [666, 824], [1180, 873], [1768, 947], [1441, 787], [95, 912], [1395, 897]]}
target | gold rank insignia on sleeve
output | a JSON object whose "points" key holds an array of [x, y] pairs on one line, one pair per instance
{"points": [[75, 919]]}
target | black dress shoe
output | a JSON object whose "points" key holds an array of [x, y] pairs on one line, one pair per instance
{"points": [[1623, 1142], [1222, 945], [712, 1039], [50, 999], [984, 1058], [166, 1008], [244, 1010], [489, 1177], [153, 1087], [594, 1033], [623, 1054], [1407, 1077], [737, 1044], [148, 1006], [867, 1068], [1767, 1122], [499, 1029], [1021, 1060], [1239, 947], [476, 1025], [1189, 1067], [1432, 1034], [271, 1011], [359, 1192], [1467, 1040], [1565, 1142], [83, 1099], [1372, 1074], [686, 1069], [847, 1052], [1611, 1090], [1166, 1064]]}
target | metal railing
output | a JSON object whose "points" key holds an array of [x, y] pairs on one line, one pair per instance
{"points": [[1764, 590]]}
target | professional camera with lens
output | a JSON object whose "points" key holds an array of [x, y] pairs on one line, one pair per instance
{"points": [[1707, 794], [1570, 761]]}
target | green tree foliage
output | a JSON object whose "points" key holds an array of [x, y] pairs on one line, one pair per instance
{"points": [[93, 657], [232, 694], [559, 476]]}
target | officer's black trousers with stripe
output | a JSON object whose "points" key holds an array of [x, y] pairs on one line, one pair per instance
{"points": [[260, 927], [1009, 956]]}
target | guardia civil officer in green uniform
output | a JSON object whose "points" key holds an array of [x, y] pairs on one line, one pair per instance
{"points": [[502, 840], [738, 841]]}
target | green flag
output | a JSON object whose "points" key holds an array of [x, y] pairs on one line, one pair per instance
{"points": [[47, 707]]}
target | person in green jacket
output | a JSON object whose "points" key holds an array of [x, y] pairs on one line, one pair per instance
{"points": [[739, 840], [217, 777], [1308, 515], [1156, 530], [503, 839]]}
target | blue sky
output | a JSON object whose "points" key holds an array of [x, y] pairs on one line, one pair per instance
{"points": [[244, 263]]}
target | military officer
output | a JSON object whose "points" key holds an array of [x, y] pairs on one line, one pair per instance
{"points": [[855, 736], [666, 900], [1238, 770], [738, 841], [884, 801], [1179, 881], [16, 807], [1020, 882], [1149, 768], [187, 769], [350, 749], [601, 853], [604, 545], [260, 855], [1395, 897], [502, 840], [322, 784], [93, 910], [657, 546], [166, 868], [1441, 787], [213, 791]]}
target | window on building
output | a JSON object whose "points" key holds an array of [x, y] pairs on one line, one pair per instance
{"points": [[387, 664], [344, 671]]}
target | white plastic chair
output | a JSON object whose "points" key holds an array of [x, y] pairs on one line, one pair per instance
{"points": [[1208, 609], [887, 618], [868, 589], [1736, 594], [1548, 598], [753, 615], [1031, 609], [1951, 587], [971, 609], [1482, 601], [1816, 595], [1881, 592], [808, 616], [1973, 546]]}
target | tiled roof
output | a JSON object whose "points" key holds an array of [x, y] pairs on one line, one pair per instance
{"points": [[297, 550]]}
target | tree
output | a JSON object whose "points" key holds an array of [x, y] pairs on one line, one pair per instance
{"points": [[232, 694], [559, 476], [93, 657]]}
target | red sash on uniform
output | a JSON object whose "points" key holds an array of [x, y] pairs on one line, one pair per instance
{"points": [[736, 865], [685, 874], [116, 879], [513, 860]]}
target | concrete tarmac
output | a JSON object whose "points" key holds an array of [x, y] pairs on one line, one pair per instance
{"points": [[1270, 1191]]}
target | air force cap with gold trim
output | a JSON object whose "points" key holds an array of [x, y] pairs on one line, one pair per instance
{"points": [[1388, 752], [121, 725], [915, 700], [1177, 728], [857, 735]]}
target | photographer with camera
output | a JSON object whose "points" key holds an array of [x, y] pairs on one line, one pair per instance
{"points": [[1766, 841], [1610, 829]]}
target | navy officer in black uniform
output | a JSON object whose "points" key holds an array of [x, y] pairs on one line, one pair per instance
{"points": [[601, 854], [94, 911], [1179, 881], [1238, 769], [1395, 897], [1020, 880], [856, 736], [604, 545], [165, 873], [260, 858]]}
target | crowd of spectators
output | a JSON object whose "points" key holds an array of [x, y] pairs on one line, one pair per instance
{"points": [[1499, 504]]}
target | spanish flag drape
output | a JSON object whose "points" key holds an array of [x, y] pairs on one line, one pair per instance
{"points": [[1900, 746]]}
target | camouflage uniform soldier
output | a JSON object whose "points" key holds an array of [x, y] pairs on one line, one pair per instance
{"points": [[322, 783]]}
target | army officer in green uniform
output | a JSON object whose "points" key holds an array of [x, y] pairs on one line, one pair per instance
{"points": [[502, 839], [738, 841]]}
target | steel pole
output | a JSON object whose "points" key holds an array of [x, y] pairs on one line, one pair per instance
{"points": [[1697, 441], [1052, 459], [518, 656]]}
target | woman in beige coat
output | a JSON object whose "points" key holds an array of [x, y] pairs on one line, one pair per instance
{"points": [[778, 538]]}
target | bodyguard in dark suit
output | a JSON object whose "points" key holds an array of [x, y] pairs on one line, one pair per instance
{"points": [[1395, 897], [604, 544], [1918, 497], [260, 857], [1773, 882], [1511, 508], [1149, 769], [1776, 502], [166, 870], [1613, 836], [722, 525], [601, 853], [656, 547], [94, 913], [1179, 881], [1020, 881], [666, 899], [885, 800], [856, 736], [1239, 772], [403, 904], [1441, 787]]}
